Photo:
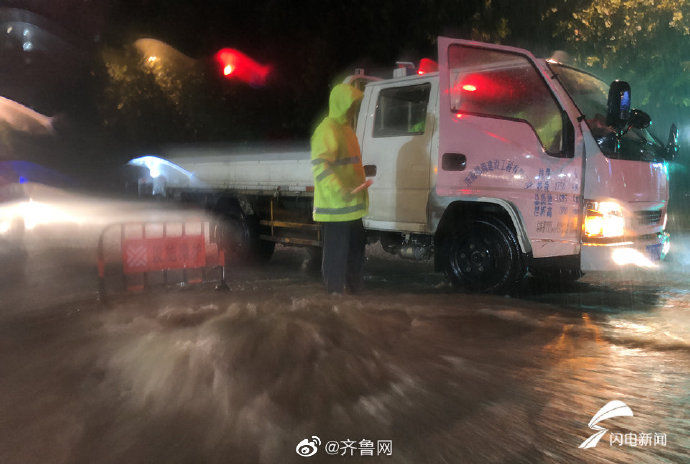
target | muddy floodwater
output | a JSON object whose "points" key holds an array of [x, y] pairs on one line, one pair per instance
{"points": [[192, 375]]}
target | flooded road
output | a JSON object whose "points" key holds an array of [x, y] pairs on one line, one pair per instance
{"points": [[191, 375]]}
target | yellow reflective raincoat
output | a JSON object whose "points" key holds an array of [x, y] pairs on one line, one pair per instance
{"points": [[337, 162]]}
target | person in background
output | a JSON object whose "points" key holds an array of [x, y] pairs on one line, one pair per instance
{"points": [[340, 191]]}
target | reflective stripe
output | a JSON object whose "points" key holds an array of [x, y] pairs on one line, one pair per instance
{"points": [[325, 173], [345, 210], [350, 160], [340, 162]]}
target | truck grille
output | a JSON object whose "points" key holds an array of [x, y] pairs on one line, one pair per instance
{"points": [[649, 218]]}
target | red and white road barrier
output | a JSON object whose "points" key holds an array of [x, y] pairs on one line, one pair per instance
{"points": [[145, 249]]}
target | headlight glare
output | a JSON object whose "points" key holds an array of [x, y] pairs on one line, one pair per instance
{"points": [[603, 219]]}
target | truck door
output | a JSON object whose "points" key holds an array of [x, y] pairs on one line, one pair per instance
{"points": [[401, 120], [506, 136]]}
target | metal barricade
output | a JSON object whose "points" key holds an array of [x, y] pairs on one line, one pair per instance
{"points": [[144, 254]]}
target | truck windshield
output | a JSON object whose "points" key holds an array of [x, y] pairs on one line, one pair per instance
{"points": [[590, 95]]}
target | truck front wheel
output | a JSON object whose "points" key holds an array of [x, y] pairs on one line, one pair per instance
{"points": [[484, 256]]}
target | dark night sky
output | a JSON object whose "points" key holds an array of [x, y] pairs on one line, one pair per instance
{"points": [[309, 44]]}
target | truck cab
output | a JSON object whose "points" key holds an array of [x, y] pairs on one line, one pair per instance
{"points": [[508, 162]]}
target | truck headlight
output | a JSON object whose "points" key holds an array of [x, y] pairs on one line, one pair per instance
{"points": [[603, 219]]}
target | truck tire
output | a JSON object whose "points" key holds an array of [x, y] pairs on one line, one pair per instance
{"points": [[263, 250], [313, 260], [484, 256], [241, 242], [235, 239]]}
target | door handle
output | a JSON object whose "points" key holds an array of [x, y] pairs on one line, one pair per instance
{"points": [[369, 170], [453, 162]]}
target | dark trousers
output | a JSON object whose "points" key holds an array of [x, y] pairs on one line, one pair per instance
{"points": [[343, 255]]}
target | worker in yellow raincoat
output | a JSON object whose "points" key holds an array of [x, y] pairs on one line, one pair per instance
{"points": [[340, 191]]}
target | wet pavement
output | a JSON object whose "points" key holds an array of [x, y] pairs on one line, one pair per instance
{"points": [[191, 375]]}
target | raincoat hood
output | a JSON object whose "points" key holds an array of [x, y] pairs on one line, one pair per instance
{"points": [[343, 96]]}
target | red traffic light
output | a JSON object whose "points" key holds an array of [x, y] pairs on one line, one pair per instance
{"points": [[235, 64]]}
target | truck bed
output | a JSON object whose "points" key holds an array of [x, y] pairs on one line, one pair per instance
{"points": [[254, 168]]}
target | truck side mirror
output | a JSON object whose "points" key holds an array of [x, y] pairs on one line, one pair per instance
{"points": [[672, 145], [618, 106], [639, 119]]}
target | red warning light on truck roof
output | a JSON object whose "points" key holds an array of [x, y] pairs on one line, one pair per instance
{"points": [[427, 66]]}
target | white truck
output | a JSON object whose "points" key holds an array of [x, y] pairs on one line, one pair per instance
{"points": [[493, 162]]}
